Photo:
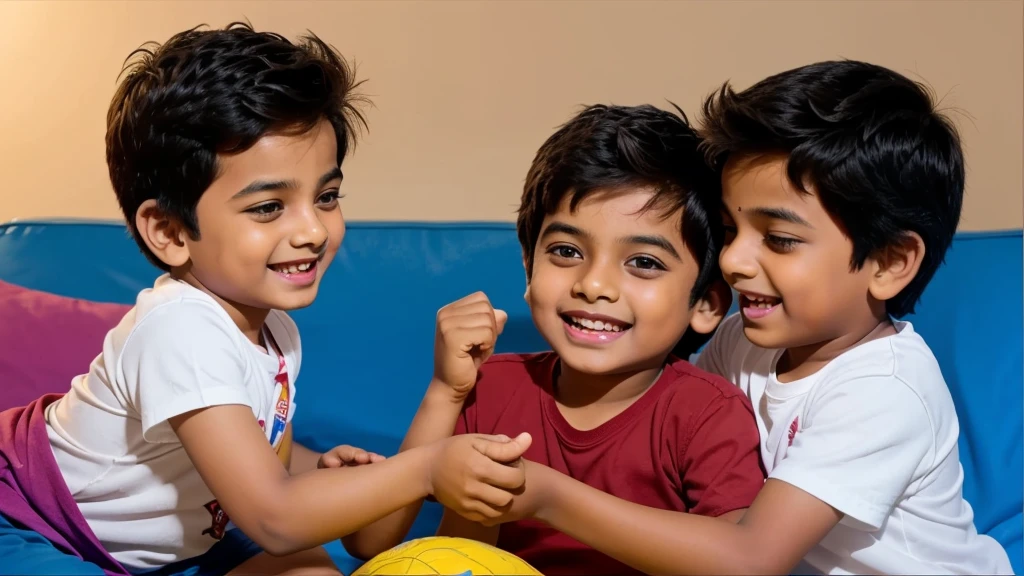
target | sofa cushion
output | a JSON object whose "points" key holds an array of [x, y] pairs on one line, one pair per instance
{"points": [[48, 340]]}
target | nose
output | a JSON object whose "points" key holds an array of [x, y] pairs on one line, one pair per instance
{"points": [[598, 281], [737, 261], [309, 231]]}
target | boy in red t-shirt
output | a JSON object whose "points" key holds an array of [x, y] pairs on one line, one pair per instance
{"points": [[620, 237]]}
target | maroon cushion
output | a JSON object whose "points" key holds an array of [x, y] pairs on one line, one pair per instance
{"points": [[46, 340]]}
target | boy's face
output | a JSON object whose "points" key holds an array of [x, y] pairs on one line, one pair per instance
{"points": [[611, 283], [270, 223], [788, 259]]}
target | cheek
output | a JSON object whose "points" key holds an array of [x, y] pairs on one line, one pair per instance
{"points": [[548, 284], [253, 244], [335, 226], [662, 301]]}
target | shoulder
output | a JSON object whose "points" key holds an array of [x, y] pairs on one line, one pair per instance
{"points": [[693, 385], [708, 426], [895, 368], [889, 387], [693, 400], [504, 376], [179, 321]]}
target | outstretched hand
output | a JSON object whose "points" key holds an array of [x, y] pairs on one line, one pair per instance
{"points": [[346, 455]]}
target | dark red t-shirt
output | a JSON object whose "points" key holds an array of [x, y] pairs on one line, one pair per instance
{"points": [[690, 443]]}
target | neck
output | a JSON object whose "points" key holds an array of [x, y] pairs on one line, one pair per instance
{"points": [[249, 320], [575, 389], [802, 361]]}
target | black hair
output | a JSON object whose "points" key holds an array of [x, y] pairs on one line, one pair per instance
{"points": [[869, 141], [605, 148], [209, 92]]}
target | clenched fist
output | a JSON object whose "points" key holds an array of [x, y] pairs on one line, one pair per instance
{"points": [[467, 331]]}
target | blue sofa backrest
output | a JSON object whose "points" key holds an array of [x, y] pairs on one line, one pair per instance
{"points": [[368, 338]]}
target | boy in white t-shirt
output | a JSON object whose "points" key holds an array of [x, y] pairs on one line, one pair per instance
{"points": [[224, 149], [842, 190]]}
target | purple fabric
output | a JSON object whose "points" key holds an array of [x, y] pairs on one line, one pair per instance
{"points": [[46, 340], [32, 490]]}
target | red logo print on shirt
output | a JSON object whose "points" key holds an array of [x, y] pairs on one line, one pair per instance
{"points": [[793, 428], [219, 522]]}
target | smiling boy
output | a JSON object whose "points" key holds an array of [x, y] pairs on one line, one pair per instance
{"points": [[620, 242], [225, 150]]}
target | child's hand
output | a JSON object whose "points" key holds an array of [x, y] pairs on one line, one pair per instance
{"points": [[346, 455], [477, 475], [467, 330], [535, 499]]}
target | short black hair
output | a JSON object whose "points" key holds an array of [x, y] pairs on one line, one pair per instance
{"points": [[209, 92], [605, 148], [869, 141]]}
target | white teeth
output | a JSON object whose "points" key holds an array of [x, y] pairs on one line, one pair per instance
{"points": [[596, 326], [294, 268], [760, 302]]}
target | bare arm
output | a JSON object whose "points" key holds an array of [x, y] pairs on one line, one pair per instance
{"points": [[299, 459], [435, 420], [466, 333], [458, 527], [284, 513], [780, 527], [302, 459]]}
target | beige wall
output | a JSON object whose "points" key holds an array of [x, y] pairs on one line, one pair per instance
{"points": [[465, 91]]}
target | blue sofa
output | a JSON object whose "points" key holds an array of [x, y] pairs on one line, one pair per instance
{"points": [[368, 338]]}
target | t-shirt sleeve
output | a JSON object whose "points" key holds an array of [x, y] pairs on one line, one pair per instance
{"points": [[181, 357], [859, 447], [488, 400], [721, 466]]}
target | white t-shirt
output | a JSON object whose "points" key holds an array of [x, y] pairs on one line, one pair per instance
{"points": [[177, 350], [874, 435]]}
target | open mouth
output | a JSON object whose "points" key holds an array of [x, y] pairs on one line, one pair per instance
{"points": [[594, 327], [757, 306], [298, 272]]}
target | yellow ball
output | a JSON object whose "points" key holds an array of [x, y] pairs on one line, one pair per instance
{"points": [[448, 556]]}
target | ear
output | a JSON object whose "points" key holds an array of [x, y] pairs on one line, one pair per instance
{"points": [[163, 235], [896, 266], [709, 311]]}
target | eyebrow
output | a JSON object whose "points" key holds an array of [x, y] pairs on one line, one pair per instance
{"points": [[655, 240], [784, 214], [271, 185], [776, 213], [563, 228]]}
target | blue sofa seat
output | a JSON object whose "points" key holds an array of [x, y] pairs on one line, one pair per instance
{"points": [[368, 338]]}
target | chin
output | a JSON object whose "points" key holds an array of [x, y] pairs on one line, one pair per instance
{"points": [[591, 362], [296, 301], [768, 339]]}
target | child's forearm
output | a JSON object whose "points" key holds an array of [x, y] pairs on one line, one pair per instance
{"points": [[435, 420], [650, 540], [302, 459], [767, 541], [324, 505]]}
